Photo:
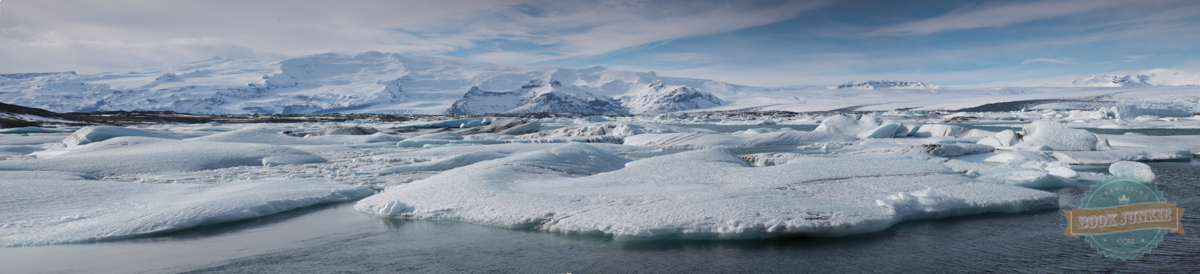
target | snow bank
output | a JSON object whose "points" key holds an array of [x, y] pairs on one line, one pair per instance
{"points": [[1058, 136], [124, 155], [704, 194], [702, 140], [64, 210]]}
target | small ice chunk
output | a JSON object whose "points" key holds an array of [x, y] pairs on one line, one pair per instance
{"points": [[1132, 169]]}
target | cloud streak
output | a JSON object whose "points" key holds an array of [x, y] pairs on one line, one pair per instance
{"points": [[996, 16], [548, 30], [1064, 61]]}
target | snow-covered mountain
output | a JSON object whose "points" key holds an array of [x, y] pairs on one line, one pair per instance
{"points": [[535, 97], [1155, 77], [657, 97], [367, 82], [885, 84]]}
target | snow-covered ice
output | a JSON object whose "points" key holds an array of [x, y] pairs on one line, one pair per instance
{"points": [[52, 207], [146, 155], [704, 140], [703, 194]]}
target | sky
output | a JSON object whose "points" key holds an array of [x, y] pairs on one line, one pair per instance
{"points": [[758, 43]]}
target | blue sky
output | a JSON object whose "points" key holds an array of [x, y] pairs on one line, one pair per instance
{"points": [[762, 43]]}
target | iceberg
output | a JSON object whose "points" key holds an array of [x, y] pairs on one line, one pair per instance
{"points": [[55, 208], [1140, 171], [91, 134], [1057, 136], [702, 140], [1113, 156], [702, 194], [123, 155]]}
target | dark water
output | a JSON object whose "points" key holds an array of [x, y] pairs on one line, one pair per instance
{"points": [[334, 238]]}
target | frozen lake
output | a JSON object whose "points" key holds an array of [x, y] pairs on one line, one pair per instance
{"points": [[668, 198], [335, 238]]}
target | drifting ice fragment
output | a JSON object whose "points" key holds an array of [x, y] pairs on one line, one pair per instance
{"points": [[1132, 169]]}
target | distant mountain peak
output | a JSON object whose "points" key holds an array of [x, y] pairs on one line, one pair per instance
{"points": [[885, 84], [1154, 77]]}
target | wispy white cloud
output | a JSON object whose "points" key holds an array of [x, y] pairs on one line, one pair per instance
{"points": [[996, 16], [558, 29], [1138, 57], [1063, 60]]}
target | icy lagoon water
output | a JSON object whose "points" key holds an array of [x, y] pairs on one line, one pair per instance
{"points": [[335, 238]]}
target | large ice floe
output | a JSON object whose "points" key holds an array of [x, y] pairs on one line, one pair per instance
{"points": [[128, 154], [56, 207], [702, 194], [1051, 135]]}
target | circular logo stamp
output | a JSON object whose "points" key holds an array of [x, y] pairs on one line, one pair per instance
{"points": [[1123, 217]]}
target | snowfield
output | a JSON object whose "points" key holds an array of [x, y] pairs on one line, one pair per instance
{"points": [[717, 176]]}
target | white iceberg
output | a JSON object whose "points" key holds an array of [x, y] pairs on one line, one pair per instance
{"points": [[1113, 156], [704, 194], [91, 134], [1136, 170], [56, 208], [702, 140], [867, 126], [123, 155], [1058, 136]]}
